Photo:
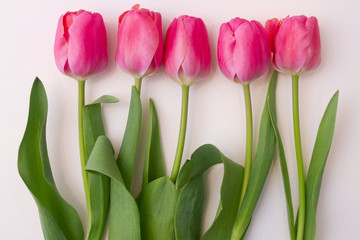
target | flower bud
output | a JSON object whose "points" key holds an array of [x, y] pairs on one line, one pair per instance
{"points": [[243, 50], [187, 51], [80, 44], [296, 44], [140, 46]]}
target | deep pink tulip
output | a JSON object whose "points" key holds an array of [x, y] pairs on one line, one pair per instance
{"points": [[187, 51], [243, 50], [81, 44], [140, 45], [296, 44]]}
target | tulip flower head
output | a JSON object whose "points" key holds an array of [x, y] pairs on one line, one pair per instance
{"points": [[81, 45], [296, 44], [187, 51], [140, 46], [243, 50]]}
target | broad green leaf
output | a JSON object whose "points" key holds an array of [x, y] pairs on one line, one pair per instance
{"points": [[157, 210], [124, 213], [127, 154], [99, 184], [58, 219], [283, 164], [154, 163], [189, 210], [222, 226], [105, 99], [202, 159], [317, 165], [260, 169], [125, 161]]}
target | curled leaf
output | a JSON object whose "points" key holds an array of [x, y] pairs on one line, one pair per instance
{"points": [[58, 219]]}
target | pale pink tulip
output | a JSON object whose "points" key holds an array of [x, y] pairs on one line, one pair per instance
{"points": [[140, 45], [81, 44], [243, 50], [297, 47], [187, 51]]}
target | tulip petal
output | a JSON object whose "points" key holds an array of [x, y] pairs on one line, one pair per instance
{"points": [[314, 51], [226, 46], [271, 28], [122, 16], [251, 53], [196, 63], [291, 45], [138, 41], [176, 45], [156, 62], [87, 54], [61, 46]]}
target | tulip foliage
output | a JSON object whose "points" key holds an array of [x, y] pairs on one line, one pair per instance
{"points": [[170, 206]]}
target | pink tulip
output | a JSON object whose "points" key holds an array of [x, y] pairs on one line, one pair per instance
{"points": [[81, 45], [140, 46], [187, 51], [296, 44], [243, 50]]}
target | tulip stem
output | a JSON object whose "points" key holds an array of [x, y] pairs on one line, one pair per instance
{"points": [[138, 83], [299, 158], [249, 140], [81, 101], [182, 132]]}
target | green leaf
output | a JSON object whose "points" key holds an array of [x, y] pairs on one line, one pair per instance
{"points": [[260, 169], [157, 210], [189, 210], [120, 196], [105, 99], [154, 163], [317, 165], [124, 213], [127, 154], [58, 219], [229, 197], [283, 164], [202, 159], [99, 184]]}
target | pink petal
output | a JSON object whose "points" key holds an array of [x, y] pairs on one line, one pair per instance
{"points": [[236, 22], [251, 53], [271, 28], [314, 51], [291, 45], [156, 62], [60, 47], [226, 46], [196, 64], [87, 54], [138, 40], [176, 45], [122, 16]]}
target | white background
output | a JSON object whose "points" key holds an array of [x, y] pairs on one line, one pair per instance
{"points": [[216, 113]]}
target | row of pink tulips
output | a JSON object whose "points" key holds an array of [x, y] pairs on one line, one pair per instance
{"points": [[243, 46], [245, 50]]}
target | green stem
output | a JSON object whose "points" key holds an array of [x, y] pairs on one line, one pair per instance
{"points": [[182, 132], [138, 83], [81, 101], [299, 158], [249, 140]]}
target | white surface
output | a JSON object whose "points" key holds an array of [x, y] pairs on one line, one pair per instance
{"points": [[216, 113]]}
